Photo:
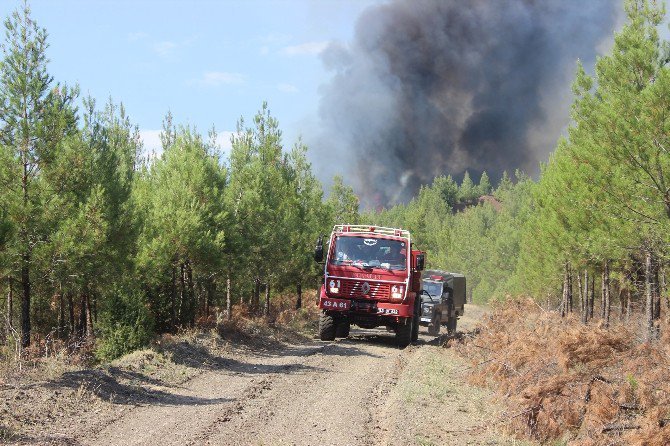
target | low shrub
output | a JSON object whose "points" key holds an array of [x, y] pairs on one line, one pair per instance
{"points": [[126, 324]]}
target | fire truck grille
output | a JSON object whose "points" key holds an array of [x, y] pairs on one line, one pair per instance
{"points": [[354, 288]]}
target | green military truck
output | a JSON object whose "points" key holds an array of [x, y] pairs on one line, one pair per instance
{"points": [[442, 300]]}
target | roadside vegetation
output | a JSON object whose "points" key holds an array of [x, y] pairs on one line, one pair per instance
{"points": [[569, 382]]}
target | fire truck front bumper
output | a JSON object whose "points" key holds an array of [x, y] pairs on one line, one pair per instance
{"points": [[365, 306]]}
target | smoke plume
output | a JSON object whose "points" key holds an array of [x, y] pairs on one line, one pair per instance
{"points": [[439, 87]]}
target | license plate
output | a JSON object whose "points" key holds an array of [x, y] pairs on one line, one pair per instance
{"points": [[388, 311], [335, 304]]}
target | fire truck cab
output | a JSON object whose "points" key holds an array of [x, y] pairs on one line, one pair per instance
{"points": [[372, 278]]}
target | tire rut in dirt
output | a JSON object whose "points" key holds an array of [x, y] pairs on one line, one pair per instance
{"points": [[333, 403], [189, 412], [375, 426]]}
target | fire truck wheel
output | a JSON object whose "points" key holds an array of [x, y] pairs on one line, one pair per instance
{"points": [[403, 334], [342, 328], [415, 319], [326, 327]]}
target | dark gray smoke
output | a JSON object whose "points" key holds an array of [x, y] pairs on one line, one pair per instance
{"points": [[438, 87]]}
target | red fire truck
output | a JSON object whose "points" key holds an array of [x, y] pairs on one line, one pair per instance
{"points": [[372, 278]]}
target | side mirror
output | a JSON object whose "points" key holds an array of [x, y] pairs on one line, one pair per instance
{"points": [[420, 262], [318, 250]]}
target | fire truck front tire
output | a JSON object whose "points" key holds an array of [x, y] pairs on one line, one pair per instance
{"points": [[403, 334], [415, 320], [326, 327], [342, 328]]}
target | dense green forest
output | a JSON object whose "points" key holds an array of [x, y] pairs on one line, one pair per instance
{"points": [[103, 242]]}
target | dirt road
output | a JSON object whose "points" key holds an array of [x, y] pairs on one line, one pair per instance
{"points": [[359, 391]]}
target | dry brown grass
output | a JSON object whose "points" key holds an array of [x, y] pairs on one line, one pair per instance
{"points": [[586, 385]]}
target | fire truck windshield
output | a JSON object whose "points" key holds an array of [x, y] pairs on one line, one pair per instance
{"points": [[365, 253]]}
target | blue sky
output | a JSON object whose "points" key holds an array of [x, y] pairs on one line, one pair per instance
{"points": [[209, 62]]}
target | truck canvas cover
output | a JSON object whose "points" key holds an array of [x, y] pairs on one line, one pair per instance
{"points": [[454, 282]]}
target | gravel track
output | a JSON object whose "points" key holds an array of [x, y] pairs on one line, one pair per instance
{"points": [[362, 390], [358, 391]]}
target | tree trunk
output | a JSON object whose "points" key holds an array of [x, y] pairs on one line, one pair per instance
{"points": [[656, 289], [10, 310], [267, 299], [298, 290], [592, 296], [94, 305], [173, 299], [61, 316], [582, 304], [182, 295], [71, 311], [191, 294], [664, 289], [201, 297], [588, 312], [25, 301], [607, 294], [229, 305], [210, 295], [564, 294], [81, 324], [26, 254], [648, 291], [88, 315], [570, 309], [255, 297], [602, 294], [628, 303], [622, 302]]}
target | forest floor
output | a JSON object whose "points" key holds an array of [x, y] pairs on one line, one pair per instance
{"points": [[256, 388]]}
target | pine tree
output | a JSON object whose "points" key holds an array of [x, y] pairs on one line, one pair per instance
{"points": [[182, 237], [35, 115], [343, 203], [484, 187], [447, 188], [504, 184], [467, 191]]}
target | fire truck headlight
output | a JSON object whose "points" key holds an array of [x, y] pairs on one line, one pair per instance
{"points": [[396, 292], [334, 286]]}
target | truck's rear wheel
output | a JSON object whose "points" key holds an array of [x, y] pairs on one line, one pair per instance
{"points": [[342, 328], [326, 327], [451, 325], [434, 326]]}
